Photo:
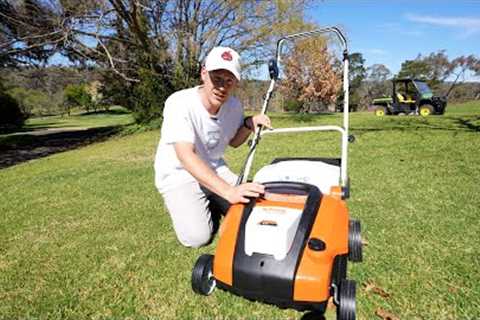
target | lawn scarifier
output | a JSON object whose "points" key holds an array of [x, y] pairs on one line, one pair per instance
{"points": [[290, 247]]}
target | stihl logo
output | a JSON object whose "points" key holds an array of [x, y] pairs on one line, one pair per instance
{"points": [[227, 56]]}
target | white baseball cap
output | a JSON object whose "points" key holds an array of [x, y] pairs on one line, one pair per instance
{"points": [[223, 58]]}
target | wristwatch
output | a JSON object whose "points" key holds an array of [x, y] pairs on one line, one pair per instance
{"points": [[245, 122]]}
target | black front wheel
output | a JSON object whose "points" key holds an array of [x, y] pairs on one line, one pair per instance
{"points": [[203, 281], [346, 308]]}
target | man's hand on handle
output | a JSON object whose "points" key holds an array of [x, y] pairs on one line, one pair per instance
{"points": [[241, 193], [260, 119]]}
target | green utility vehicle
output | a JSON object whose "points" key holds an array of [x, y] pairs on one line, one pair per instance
{"points": [[409, 96]]}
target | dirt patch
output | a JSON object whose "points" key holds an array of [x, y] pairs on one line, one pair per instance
{"points": [[21, 147]]}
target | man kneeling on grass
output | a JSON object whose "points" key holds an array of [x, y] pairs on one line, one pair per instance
{"points": [[198, 124]]}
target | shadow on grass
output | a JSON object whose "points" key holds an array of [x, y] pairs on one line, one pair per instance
{"points": [[454, 124], [469, 123], [115, 111], [302, 117], [20, 148]]}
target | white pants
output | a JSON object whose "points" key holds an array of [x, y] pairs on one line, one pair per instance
{"points": [[190, 207]]}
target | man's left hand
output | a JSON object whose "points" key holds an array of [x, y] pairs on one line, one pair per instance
{"points": [[261, 119]]}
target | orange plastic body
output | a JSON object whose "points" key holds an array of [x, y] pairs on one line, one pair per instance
{"points": [[223, 262], [312, 281]]}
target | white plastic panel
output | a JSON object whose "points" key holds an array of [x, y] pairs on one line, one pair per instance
{"points": [[270, 230], [317, 173]]}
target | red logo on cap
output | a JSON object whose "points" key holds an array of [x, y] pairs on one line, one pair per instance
{"points": [[227, 56]]}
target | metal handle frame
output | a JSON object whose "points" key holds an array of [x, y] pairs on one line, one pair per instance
{"points": [[343, 130]]}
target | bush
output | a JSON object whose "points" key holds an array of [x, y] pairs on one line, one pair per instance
{"points": [[149, 97], [35, 102], [11, 117], [292, 106], [77, 95]]}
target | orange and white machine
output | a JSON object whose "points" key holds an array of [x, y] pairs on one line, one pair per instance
{"points": [[291, 246]]}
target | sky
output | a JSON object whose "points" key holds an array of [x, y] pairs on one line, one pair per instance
{"points": [[392, 31]]}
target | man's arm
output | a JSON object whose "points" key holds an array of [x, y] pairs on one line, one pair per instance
{"points": [[208, 178], [251, 122], [240, 137]]}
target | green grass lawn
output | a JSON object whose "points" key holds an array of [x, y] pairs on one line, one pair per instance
{"points": [[84, 233], [116, 119], [115, 116]]}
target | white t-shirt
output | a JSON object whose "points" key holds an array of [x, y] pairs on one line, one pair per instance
{"points": [[185, 119]]}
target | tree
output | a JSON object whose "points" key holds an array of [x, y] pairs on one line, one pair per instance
{"points": [[310, 78], [11, 116], [378, 73], [93, 89], [356, 74], [460, 65], [357, 71], [39, 91], [77, 95], [434, 68], [20, 94], [377, 82], [140, 40]]}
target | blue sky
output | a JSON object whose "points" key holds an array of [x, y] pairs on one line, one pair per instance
{"points": [[390, 32]]}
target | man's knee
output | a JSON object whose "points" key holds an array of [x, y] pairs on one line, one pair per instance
{"points": [[196, 240]]}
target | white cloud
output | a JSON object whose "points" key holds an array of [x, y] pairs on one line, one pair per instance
{"points": [[470, 25], [399, 29]]}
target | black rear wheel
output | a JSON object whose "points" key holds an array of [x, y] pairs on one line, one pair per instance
{"points": [[346, 308], [355, 241], [203, 281]]}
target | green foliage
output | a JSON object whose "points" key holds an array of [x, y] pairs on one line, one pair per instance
{"points": [[414, 69], [356, 71], [77, 95], [356, 75], [35, 102], [149, 95], [377, 84], [290, 105], [40, 91], [11, 116], [135, 36], [21, 94], [39, 103], [434, 68]]}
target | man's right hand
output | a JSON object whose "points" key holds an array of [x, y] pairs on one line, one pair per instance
{"points": [[241, 193]]}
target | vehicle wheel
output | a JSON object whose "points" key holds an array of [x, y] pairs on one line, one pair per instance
{"points": [[380, 111], [425, 110], [354, 241], [203, 281], [346, 300]]}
